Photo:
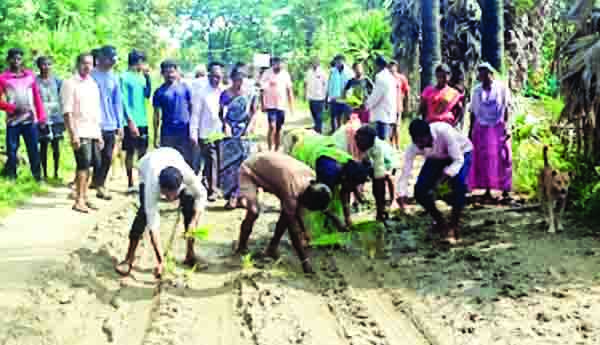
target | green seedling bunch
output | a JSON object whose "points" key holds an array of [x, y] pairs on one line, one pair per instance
{"points": [[247, 261], [200, 233]]}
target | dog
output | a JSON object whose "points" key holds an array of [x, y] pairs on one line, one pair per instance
{"points": [[553, 187]]}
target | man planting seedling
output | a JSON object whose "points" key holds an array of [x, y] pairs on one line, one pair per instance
{"points": [[164, 172]]}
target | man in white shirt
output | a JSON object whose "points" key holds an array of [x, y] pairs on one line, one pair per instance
{"points": [[382, 103], [80, 98], [205, 124], [315, 90], [164, 172], [447, 158]]}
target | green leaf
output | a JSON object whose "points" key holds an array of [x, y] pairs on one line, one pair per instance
{"points": [[201, 233]]}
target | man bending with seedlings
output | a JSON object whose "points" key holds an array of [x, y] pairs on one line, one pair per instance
{"points": [[164, 172], [293, 183]]}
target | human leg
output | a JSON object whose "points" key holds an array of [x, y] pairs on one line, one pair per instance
{"points": [[83, 158], [56, 155], [44, 157], [30, 136], [12, 147], [316, 110], [106, 157], [425, 187], [278, 128], [137, 229], [460, 189]]}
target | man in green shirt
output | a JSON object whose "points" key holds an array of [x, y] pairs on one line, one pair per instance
{"points": [[136, 88]]}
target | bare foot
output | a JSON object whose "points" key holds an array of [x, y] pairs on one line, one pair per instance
{"points": [[124, 268]]}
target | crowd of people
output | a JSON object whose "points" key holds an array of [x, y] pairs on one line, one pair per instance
{"points": [[202, 151]]}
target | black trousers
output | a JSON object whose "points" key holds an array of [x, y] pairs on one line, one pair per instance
{"points": [[106, 157], [186, 205]]}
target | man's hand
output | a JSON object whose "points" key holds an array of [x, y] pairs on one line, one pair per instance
{"points": [[194, 141], [75, 143], [135, 132], [100, 143]]}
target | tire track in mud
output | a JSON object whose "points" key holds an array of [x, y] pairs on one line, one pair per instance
{"points": [[363, 286]]}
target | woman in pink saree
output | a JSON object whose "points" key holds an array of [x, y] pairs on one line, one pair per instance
{"points": [[441, 102], [491, 167]]}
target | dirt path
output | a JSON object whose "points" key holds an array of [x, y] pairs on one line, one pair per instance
{"points": [[509, 282]]}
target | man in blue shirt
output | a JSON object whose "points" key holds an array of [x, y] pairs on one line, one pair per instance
{"points": [[339, 77], [111, 105], [172, 104]]}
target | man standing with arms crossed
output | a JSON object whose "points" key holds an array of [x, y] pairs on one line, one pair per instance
{"points": [[81, 106], [136, 88], [111, 106]]}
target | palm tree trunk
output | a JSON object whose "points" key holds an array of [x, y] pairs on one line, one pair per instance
{"points": [[431, 52], [492, 32]]}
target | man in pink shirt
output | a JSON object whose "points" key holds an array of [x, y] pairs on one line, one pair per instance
{"points": [[21, 100], [447, 158], [277, 98]]}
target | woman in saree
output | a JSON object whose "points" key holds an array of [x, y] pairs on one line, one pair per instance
{"points": [[441, 102], [238, 107], [491, 167]]}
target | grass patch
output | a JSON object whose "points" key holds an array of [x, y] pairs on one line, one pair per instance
{"points": [[15, 193]]}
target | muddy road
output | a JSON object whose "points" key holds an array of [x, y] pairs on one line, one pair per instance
{"points": [[507, 283]]}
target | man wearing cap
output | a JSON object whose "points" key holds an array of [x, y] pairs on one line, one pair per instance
{"points": [[441, 102], [338, 78], [490, 133], [136, 88], [164, 172], [111, 105], [382, 103]]}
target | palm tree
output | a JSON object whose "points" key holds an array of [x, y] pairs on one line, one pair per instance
{"points": [[492, 32], [431, 52], [406, 24]]}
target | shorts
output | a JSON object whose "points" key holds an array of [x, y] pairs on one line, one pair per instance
{"points": [[186, 205], [51, 132], [132, 144], [88, 154], [384, 130], [277, 116], [248, 187]]}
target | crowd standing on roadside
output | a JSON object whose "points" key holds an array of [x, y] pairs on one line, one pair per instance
{"points": [[201, 129]]}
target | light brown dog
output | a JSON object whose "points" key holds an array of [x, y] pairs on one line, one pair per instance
{"points": [[552, 192]]}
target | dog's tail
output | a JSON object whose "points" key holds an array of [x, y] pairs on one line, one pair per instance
{"points": [[546, 162]]}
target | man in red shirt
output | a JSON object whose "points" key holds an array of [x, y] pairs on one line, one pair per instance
{"points": [[21, 100], [403, 89]]}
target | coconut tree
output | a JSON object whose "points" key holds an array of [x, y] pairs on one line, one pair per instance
{"points": [[492, 32], [431, 52], [406, 25]]}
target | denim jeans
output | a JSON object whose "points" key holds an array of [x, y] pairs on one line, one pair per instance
{"points": [[429, 177], [316, 110], [30, 133], [338, 111]]}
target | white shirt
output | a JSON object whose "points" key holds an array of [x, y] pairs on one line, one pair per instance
{"points": [[447, 143], [81, 98], [383, 100], [316, 84], [150, 167], [205, 118]]}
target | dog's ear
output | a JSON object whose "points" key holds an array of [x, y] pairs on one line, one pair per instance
{"points": [[554, 173]]}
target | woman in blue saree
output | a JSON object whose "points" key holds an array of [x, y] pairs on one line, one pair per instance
{"points": [[238, 106]]}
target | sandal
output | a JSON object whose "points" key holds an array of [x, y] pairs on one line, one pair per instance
{"points": [[121, 272], [80, 209]]}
